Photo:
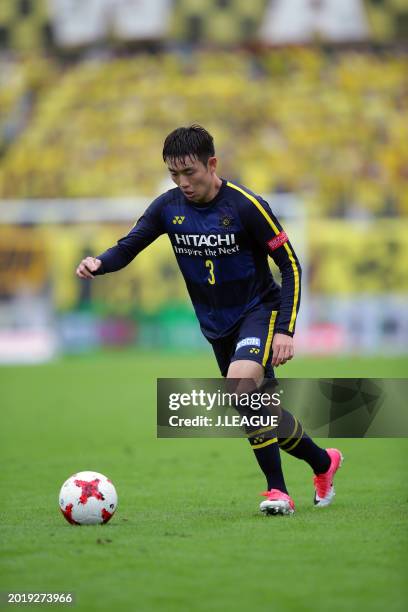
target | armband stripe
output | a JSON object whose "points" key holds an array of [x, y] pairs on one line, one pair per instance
{"points": [[277, 242]]}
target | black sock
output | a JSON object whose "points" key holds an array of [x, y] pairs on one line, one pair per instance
{"points": [[266, 451], [294, 441], [263, 440]]}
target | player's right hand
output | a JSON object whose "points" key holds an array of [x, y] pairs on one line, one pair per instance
{"points": [[87, 267]]}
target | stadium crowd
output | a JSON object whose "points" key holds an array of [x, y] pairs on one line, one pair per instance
{"points": [[331, 126]]}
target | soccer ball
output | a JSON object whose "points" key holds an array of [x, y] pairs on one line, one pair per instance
{"points": [[88, 498]]}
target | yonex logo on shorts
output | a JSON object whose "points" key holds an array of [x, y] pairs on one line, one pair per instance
{"points": [[248, 342]]}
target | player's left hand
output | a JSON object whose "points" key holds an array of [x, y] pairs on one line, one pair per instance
{"points": [[282, 348]]}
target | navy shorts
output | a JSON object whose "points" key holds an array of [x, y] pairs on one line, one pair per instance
{"points": [[252, 341]]}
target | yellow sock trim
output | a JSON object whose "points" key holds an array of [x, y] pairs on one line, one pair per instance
{"points": [[260, 431], [294, 445], [267, 443], [287, 440]]}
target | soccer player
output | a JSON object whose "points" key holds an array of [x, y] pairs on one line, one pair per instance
{"points": [[222, 234]]}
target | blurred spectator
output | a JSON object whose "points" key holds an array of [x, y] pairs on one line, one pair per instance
{"points": [[332, 127]]}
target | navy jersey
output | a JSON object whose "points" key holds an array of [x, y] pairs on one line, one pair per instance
{"points": [[222, 250]]}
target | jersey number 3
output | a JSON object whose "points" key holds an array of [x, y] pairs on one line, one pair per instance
{"points": [[209, 264]]}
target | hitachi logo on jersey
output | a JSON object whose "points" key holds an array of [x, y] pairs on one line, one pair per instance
{"points": [[209, 240]]}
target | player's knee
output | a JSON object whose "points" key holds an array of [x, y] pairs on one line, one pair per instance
{"points": [[246, 371], [253, 397]]}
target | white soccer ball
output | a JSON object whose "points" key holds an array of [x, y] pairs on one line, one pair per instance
{"points": [[88, 498]]}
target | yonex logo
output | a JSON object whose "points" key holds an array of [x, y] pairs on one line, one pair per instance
{"points": [[254, 350], [249, 342], [178, 220]]}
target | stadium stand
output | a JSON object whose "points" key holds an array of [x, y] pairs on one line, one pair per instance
{"points": [[388, 19], [20, 83], [217, 21], [25, 25], [289, 120]]}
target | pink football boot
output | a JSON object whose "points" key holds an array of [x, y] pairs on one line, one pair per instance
{"points": [[323, 483], [277, 503]]}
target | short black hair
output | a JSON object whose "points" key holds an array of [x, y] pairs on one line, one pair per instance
{"points": [[192, 141]]}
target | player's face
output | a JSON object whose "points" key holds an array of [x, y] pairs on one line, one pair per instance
{"points": [[195, 179]]}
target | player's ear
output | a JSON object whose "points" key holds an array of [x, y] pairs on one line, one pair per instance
{"points": [[212, 164]]}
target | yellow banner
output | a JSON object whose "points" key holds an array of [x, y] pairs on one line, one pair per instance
{"points": [[23, 261], [349, 257], [344, 258], [148, 283]]}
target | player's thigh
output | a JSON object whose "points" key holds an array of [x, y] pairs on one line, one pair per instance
{"points": [[254, 339], [223, 350]]}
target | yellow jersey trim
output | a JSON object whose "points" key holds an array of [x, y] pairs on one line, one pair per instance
{"points": [[269, 338], [287, 249]]}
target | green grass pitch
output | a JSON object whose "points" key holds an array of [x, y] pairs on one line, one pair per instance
{"points": [[188, 534]]}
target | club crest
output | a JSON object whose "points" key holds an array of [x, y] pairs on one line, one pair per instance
{"points": [[226, 220]]}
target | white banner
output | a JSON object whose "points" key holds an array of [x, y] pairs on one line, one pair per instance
{"points": [[82, 22], [79, 22], [300, 21], [141, 19]]}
